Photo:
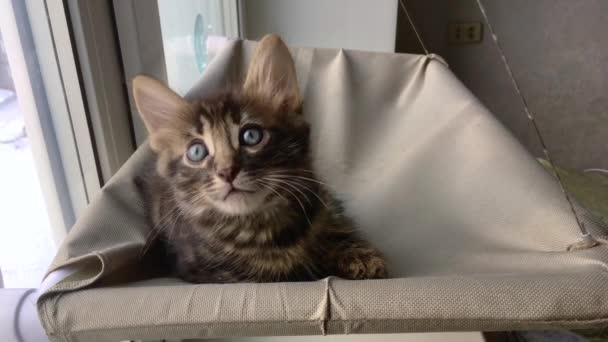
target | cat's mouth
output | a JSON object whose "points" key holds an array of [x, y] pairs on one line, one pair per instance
{"points": [[234, 191]]}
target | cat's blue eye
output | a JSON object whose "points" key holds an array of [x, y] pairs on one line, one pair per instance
{"points": [[197, 152], [252, 136]]}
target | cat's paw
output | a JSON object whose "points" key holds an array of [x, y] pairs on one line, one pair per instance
{"points": [[362, 263]]}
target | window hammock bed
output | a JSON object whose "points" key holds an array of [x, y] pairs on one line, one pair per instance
{"points": [[478, 235]]}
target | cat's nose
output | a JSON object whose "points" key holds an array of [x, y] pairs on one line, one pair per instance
{"points": [[228, 173]]}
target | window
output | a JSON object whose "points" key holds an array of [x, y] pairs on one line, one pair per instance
{"points": [[48, 165]]}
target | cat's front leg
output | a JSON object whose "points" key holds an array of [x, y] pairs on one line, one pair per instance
{"points": [[358, 260]]}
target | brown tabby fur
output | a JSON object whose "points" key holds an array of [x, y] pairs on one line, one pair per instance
{"points": [[297, 232]]}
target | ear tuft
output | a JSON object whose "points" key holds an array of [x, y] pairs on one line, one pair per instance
{"points": [[272, 75]]}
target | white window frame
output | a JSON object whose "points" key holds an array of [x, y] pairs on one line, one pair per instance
{"points": [[46, 80]]}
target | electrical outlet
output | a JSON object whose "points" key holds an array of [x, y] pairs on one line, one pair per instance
{"points": [[465, 33]]}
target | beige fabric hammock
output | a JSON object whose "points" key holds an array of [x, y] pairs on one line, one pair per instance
{"points": [[476, 232]]}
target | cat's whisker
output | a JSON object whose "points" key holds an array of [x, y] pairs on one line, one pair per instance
{"points": [[296, 198], [162, 221], [302, 177], [304, 170], [291, 186], [314, 194], [171, 234], [148, 242], [281, 171], [273, 190], [295, 185], [294, 172], [176, 213], [155, 231]]}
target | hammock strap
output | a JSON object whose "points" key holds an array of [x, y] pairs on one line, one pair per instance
{"points": [[409, 18], [588, 240]]}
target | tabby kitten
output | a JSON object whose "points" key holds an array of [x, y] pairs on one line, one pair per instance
{"points": [[231, 191]]}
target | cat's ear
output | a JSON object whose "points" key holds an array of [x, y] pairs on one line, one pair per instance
{"points": [[161, 109], [272, 75]]}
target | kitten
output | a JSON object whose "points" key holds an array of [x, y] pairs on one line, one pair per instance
{"points": [[231, 191]]}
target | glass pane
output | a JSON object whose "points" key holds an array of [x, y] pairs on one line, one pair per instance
{"points": [[26, 243], [188, 28]]}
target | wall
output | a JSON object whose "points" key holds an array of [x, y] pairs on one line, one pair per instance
{"points": [[350, 24], [558, 50]]}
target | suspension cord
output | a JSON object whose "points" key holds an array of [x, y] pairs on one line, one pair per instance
{"points": [[409, 18], [587, 238]]}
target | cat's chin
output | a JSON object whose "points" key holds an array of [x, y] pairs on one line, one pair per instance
{"points": [[241, 203]]}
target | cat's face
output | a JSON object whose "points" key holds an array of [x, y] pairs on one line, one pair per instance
{"points": [[235, 154], [234, 151]]}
